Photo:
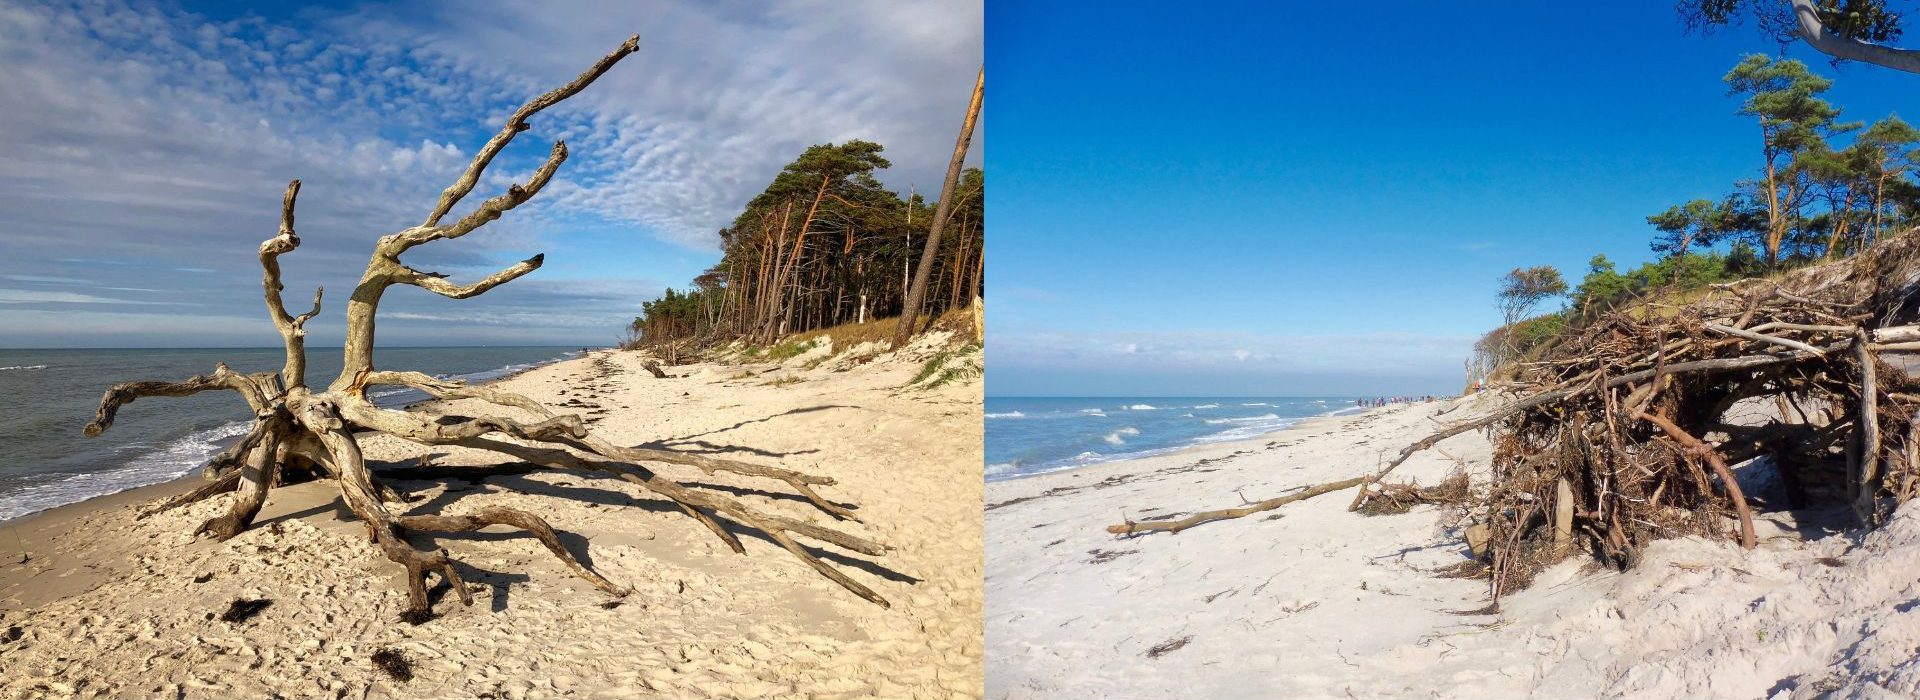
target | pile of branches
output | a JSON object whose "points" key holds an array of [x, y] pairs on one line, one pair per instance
{"points": [[1624, 430], [1627, 428]]}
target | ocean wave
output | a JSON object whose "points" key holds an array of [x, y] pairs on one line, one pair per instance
{"points": [[1218, 421], [170, 461], [1244, 432], [495, 373], [3, 369], [1008, 414], [1153, 439], [1208, 405], [1141, 407], [1007, 472]]}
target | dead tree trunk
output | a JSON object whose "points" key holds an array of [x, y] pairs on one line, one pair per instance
{"points": [[917, 294], [297, 423]]}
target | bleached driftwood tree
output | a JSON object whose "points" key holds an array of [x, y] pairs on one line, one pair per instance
{"points": [[298, 427]]}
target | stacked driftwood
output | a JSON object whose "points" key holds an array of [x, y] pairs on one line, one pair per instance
{"points": [[1627, 429]]}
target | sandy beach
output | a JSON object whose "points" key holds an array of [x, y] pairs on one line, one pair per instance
{"points": [[108, 605], [1311, 601]]}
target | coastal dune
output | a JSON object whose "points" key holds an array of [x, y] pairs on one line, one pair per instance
{"points": [[110, 605], [1312, 601]]}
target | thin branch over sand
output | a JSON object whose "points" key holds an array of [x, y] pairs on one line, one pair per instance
{"points": [[1175, 526]]}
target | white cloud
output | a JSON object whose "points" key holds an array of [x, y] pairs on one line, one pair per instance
{"points": [[148, 146], [30, 296], [720, 96]]}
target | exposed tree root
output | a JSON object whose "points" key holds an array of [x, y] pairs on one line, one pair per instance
{"points": [[1619, 417], [516, 518], [298, 429], [1626, 429], [223, 484]]}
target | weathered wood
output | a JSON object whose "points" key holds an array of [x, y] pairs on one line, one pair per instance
{"points": [[495, 515], [1562, 514], [1550, 397], [292, 328], [295, 422], [917, 293], [1750, 335], [1175, 526], [1865, 485], [1720, 469], [223, 484], [1815, 34], [250, 491], [125, 392]]}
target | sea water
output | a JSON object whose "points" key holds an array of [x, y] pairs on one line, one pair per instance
{"points": [[1027, 436], [48, 396]]}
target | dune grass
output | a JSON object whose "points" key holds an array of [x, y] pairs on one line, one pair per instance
{"points": [[942, 368]]}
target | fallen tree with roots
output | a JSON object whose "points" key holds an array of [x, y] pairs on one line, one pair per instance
{"points": [[299, 429], [1623, 430]]}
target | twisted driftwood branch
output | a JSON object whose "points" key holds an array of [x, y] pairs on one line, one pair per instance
{"points": [[125, 392]]}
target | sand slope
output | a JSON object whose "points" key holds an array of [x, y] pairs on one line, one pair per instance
{"points": [[111, 606], [1322, 603]]}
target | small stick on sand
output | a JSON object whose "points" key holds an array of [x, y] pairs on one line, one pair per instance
{"points": [[24, 557]]}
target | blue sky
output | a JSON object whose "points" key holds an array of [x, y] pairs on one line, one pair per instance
{"points": [[148, 142], [1317, 198]]}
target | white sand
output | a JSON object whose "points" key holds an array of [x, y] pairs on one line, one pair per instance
{"points": [[109, 606], [1322, 603]]}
